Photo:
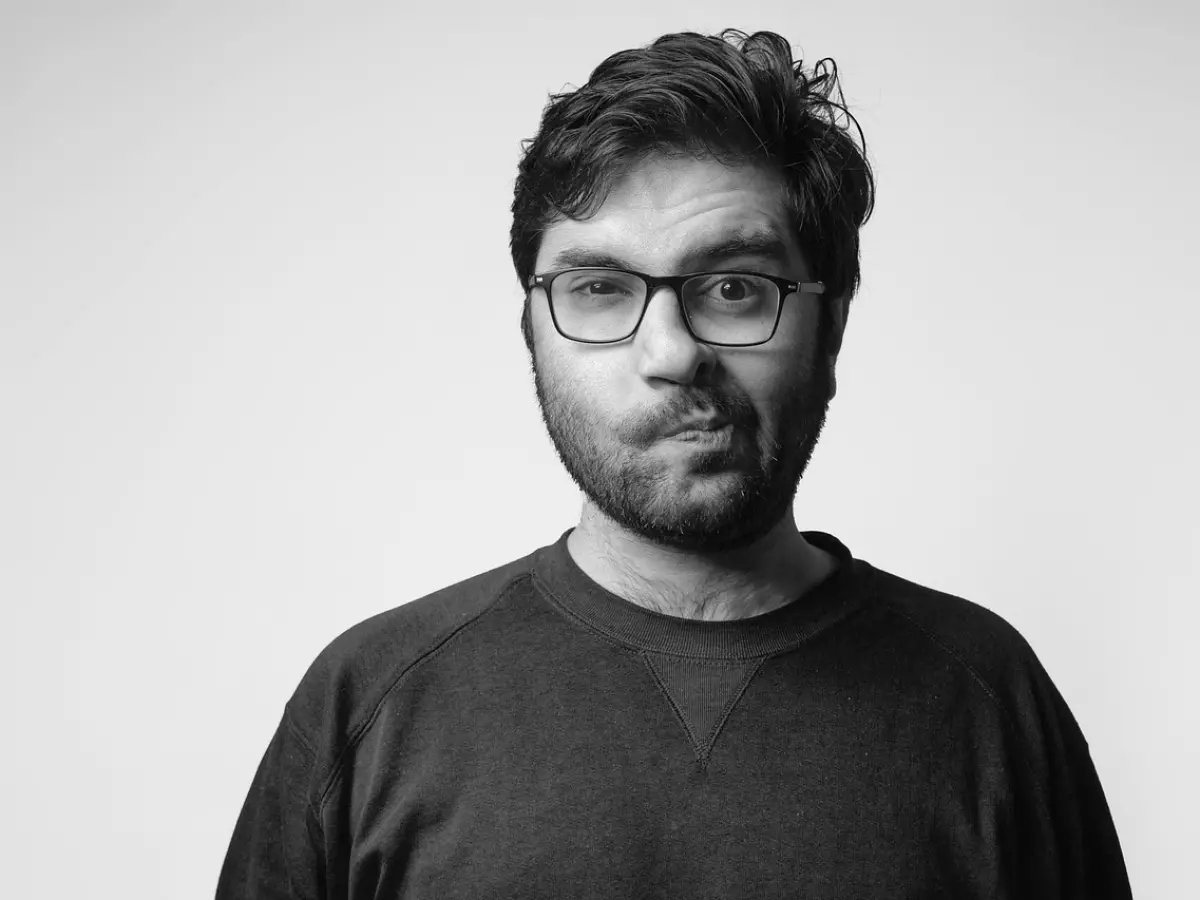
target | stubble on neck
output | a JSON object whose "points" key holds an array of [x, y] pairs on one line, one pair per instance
{"points": [[770, 573]]}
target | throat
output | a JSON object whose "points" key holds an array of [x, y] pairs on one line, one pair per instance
{"points": [[688, 586], [707, 602]]}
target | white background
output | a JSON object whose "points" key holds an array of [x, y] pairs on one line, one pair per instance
{"points": [[261, 373]]}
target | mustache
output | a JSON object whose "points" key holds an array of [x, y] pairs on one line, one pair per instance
{"points": [[643, 428]]}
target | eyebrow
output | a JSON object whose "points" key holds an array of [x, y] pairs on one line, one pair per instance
{"points": [[763, 243]]}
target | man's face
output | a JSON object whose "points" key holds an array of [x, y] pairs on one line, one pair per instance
{"points": [[607, 407]]}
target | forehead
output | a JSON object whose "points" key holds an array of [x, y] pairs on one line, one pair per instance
{"points": [[663, 211]]}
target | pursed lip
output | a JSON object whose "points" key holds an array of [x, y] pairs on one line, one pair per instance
{"points": [[711, 424]]}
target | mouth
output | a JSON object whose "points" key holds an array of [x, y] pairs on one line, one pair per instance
{"points": [[702, 426], [709, 437]]}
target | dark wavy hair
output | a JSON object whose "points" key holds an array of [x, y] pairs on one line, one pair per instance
{"points": [[737, 98]]}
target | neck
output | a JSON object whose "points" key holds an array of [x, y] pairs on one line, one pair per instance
{"points": [[737, 584]]}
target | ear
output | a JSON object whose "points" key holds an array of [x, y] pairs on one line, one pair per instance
{"points": [[838, 315]]}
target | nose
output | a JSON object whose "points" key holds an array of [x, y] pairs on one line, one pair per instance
{"points": [[666, 349]]}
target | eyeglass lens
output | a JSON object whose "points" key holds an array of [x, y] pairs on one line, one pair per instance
{"points": [[605, 305]]}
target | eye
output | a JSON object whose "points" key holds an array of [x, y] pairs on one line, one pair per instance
{"points": [[734, 289], [598, 283]]}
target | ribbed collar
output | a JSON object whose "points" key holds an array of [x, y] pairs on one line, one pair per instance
{"points": [[569, 588]]}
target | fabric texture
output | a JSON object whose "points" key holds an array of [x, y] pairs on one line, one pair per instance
{"points": [[525, 733]]}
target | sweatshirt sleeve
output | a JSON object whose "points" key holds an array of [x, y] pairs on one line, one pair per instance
{"points": [[1092, 865], [276, 850], [1064, 844]]}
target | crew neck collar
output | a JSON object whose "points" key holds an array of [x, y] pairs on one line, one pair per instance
{"points": [[569, 588]]}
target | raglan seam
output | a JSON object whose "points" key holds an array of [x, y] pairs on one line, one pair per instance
{"points": [[432, 651], [309, 809], [1007, 716], [958, 657]]}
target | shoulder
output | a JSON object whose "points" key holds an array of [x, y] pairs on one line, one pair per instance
{"points": [[960, 627], [953, 632], [351, 676], [931, 623]]}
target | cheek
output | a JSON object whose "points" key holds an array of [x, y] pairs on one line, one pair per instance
{"points": [[799, 326], [789, 365], [774, 377], [572, 386], [782, 386], [539, 323]]}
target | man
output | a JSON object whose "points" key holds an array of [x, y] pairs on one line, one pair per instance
{"points": [[684, 696]]}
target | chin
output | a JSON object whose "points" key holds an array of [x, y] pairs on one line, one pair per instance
{"points": [[705, 536], [710, 513]]}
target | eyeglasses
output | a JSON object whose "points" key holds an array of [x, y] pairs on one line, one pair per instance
{"points": [[728, 309]]}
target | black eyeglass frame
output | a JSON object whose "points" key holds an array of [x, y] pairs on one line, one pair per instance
{"points": [[675, 282]]}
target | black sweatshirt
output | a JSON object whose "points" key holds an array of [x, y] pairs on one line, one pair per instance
{"points": [[526, 733]]}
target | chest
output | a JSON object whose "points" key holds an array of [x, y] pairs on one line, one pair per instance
{"points": [[768, 792]]}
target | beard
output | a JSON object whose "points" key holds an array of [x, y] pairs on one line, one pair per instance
{"points": [[711, 501]]}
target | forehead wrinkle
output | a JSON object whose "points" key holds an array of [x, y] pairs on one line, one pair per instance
{"points": [[760, 241], [764, 243], [671, 216]]}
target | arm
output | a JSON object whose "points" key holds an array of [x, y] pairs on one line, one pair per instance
{"points": [[1092, 863], [277, 847], [1066, 845]]}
